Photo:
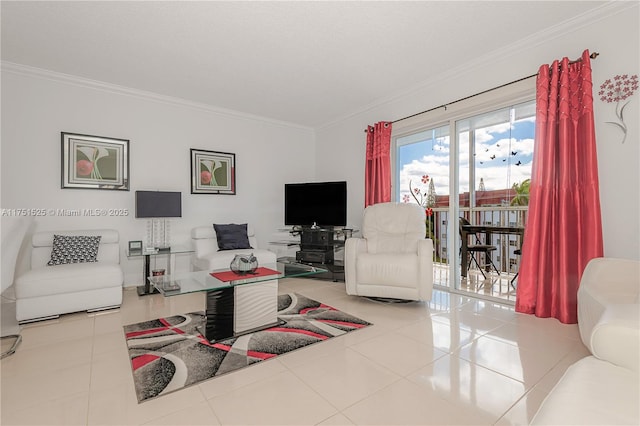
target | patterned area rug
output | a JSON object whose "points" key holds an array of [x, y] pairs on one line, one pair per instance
{"points": [[168, 354]]}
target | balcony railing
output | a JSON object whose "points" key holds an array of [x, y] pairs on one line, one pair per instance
{"points": [[504, 258]]}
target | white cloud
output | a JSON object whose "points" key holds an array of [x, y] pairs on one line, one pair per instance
{"points": [[497, 174], [500, 172], [504, 148], [437, 167], [503, 177]]}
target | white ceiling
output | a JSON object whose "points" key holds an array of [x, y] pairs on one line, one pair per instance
{"points": [[303, 62]]}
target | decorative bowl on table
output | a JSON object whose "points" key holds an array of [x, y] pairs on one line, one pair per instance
{"points": [[243, 264]]}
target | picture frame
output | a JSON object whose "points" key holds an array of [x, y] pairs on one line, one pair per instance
{"points": [[94, 162], [135, 247], [213, 172]]}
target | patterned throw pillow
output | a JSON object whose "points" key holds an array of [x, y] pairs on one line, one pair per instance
{"points": [[74, 249]]}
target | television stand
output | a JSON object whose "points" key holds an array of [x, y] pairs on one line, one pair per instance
{"points": [[316, 245], [322, 246], [324, 257]]}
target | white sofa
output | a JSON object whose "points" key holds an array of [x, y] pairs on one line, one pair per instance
{"points": [[208, 258], [14, 230], [49, 291], [603, 388], [393, 259]]}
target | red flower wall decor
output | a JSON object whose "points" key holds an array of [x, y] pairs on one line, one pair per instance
{"points": [[617, 90]]}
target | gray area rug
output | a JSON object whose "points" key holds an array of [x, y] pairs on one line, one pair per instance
{"points": [[168, 354]]}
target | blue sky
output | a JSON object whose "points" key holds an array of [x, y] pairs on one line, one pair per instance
{"points": [[431, 156]]}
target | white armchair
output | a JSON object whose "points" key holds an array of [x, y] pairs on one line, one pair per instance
{"points": [[393, 259]]}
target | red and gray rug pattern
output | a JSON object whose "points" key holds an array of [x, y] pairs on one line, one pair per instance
{"points": [[168, 354]]}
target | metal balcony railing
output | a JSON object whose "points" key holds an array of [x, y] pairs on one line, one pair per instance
{"points": [[504, 258]]}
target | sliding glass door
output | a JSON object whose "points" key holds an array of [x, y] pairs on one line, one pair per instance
{"points": [[495, 151], [482, 174]]}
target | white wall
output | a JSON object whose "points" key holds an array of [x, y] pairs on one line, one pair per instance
{"points": [[36, 108], [614, 33]]}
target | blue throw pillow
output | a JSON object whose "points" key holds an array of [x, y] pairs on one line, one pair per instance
{"points": [[232, 236]]}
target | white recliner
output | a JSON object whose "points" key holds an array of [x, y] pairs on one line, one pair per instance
{"points": [[208, 257], [393, 259], [49, 291]]}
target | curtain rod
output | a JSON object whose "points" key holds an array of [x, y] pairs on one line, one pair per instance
{"points": [[594, 55]]}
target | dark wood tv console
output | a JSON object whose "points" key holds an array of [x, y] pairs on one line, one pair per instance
{"points": [[321, 246]]}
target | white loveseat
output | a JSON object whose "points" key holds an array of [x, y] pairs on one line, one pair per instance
{"points": [[602, 389], [208, 257], [49, 291]]}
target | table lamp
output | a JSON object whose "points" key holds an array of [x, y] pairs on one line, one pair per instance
{"points": [[158, 206]]}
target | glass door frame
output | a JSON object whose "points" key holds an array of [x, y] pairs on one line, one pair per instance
{"points": [[519, 93]]}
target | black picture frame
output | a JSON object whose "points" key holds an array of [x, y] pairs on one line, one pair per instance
{"points": [[94, 162], [213, 172], [135, 247]]}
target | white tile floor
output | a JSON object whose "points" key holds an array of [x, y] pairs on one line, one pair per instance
{"points": [[491, 285], [456, 360]]}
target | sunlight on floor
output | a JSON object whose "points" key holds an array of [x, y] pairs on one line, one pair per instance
{"points": [[495, 286]]}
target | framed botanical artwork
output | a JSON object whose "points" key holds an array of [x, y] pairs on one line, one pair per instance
{"points": [[94, 162], [213, 172]]}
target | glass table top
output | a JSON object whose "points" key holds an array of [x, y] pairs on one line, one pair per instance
{"points": [[191, 282], [177, 249]]}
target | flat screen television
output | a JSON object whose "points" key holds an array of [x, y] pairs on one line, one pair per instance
{"points": [[159, 204], [315, 203]]}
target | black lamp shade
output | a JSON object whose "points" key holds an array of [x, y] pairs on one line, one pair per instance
{"points": [[158, 204]]}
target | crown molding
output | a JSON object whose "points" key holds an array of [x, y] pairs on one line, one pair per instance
{"points": [[15, 68], [590, 17]]}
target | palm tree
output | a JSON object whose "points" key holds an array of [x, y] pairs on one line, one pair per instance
{"points": [[522, 193]]}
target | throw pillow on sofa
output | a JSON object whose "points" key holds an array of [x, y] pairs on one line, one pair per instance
{"points": [[74, 249], [232, 236]]}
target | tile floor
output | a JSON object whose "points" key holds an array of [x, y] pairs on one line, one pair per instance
{"points": [[493, 286], [456, 360]]}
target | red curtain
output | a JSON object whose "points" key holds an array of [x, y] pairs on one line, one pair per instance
{"points": [[377, 174], [564, 229]]}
